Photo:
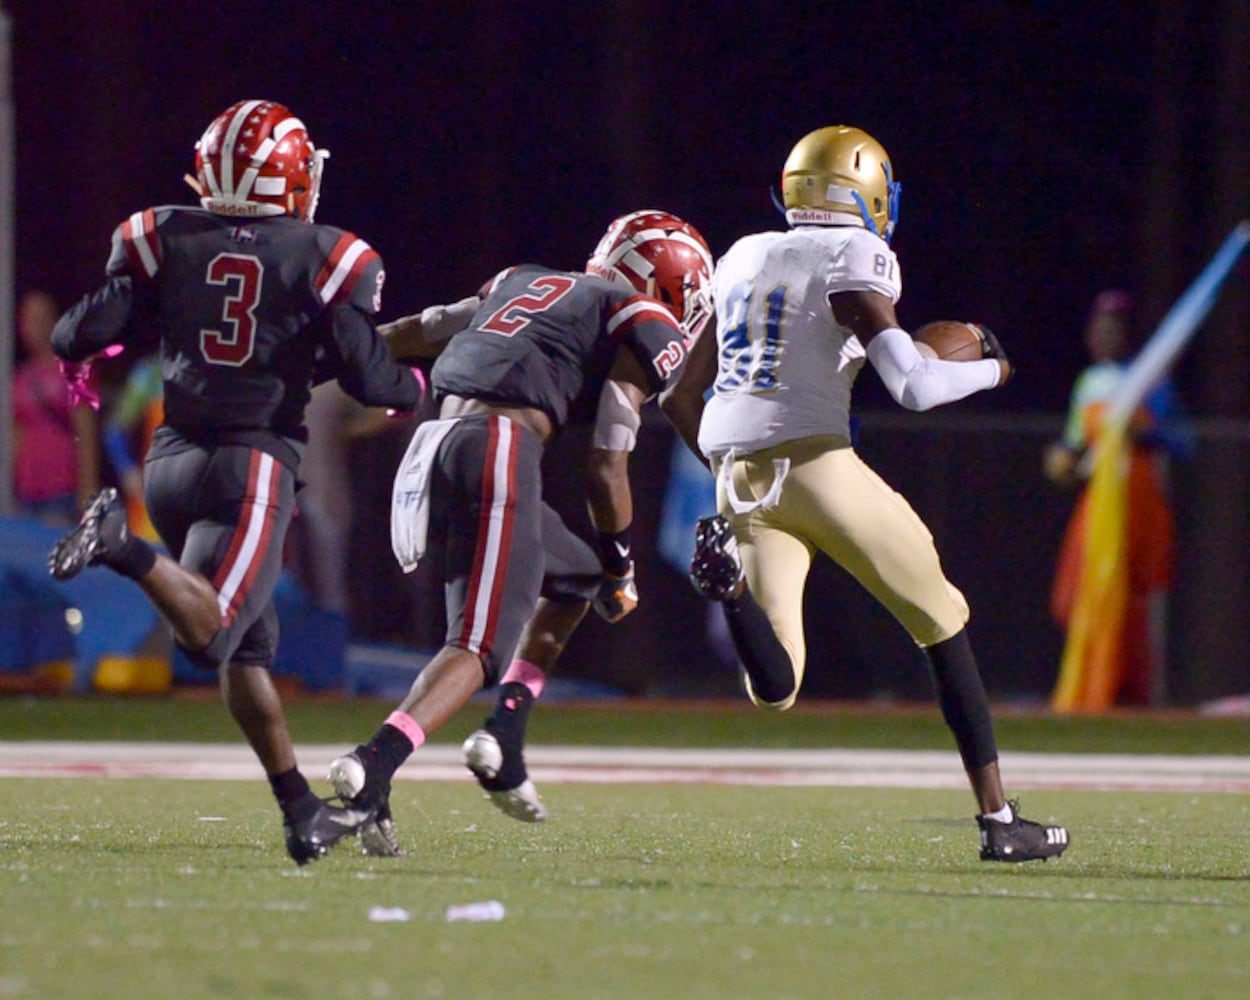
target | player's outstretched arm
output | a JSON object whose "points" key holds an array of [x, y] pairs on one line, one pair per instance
{"points": [[425, 334]]}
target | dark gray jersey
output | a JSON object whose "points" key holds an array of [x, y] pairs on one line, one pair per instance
{"points": [[546, 339], [245, 313]]}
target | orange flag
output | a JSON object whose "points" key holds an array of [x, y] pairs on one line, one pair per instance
{"points": [[1089, 673]]}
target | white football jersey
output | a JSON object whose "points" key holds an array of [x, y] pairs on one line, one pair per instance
{"points": [[785, 365]]}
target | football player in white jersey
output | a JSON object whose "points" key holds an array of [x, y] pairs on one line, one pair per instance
{"points": [[798, 313]]}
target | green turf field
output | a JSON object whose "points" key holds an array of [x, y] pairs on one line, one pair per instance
{"points": [[129, 888], [201, 717]]}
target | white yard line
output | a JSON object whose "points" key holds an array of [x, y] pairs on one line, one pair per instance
{"points": [[647, 765]]}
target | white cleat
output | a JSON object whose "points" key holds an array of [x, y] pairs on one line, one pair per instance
{"points": [[484, 757], [522, 802], [482, 754], [377, 837], [347, 775]]}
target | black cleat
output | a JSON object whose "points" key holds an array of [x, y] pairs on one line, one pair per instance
{"points": [[1021, 839], [311, 838], [101, 530], [715, 569], [378, 838]]}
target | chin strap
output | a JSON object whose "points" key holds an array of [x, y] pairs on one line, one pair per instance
{"points": [[777, 202]]}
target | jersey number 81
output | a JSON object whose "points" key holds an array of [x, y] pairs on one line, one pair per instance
{"points": [[750, 346]]}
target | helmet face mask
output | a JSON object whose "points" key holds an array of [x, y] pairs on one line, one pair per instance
{"points": [[839, 171], [257, 159], [662, 257]]}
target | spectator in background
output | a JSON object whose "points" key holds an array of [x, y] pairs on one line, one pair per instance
{"points": [[321, 532], [56, 452], [1154, 436]]}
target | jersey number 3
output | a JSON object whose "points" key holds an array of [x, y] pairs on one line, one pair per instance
{"points": [[240, 276], [516, 314]]}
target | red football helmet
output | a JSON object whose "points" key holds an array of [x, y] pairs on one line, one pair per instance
{"points": [[256, 158], [663, 257]]}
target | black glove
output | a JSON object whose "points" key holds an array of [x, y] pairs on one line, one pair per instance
{"points": [[991, 348]]}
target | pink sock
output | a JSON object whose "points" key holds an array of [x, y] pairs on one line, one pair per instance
{"points": [[406, 725], [526, 673]]}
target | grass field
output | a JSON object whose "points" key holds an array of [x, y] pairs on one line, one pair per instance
{"points": [[156, 888]]}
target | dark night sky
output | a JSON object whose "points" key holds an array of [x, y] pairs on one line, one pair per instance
{"points": [[465, 142]]}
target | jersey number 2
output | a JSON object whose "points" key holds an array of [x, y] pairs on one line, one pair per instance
{"points": [[515, 314], [240, 275]]}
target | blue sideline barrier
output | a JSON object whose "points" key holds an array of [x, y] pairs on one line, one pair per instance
{"points": [[99, 614]]}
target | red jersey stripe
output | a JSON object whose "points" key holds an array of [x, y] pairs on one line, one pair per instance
{"points": [[627, 313], [495, 529], [143, 247], [252, 536], [342, 269]]}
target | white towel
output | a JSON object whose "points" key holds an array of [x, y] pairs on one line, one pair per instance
{"points": [[410, 497]]}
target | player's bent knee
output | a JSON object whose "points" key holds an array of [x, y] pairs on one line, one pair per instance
{"points": [[210, 657]]}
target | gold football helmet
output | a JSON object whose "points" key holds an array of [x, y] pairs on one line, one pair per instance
{"points": [[840, 170]]}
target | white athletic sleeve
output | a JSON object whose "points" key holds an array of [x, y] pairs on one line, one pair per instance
{"points": [[617, 422], [920, 383]]}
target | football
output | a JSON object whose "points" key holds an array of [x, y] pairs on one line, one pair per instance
{"points": [[950, 340]]}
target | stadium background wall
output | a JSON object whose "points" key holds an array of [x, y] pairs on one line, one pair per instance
{"points": [[1045, 153]]}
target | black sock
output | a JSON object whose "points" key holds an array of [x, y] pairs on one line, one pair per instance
{"points": [[507, 724], [962, 698], [512, 712], [294, 795], [383, 755], [763, 656], [133, 558]]}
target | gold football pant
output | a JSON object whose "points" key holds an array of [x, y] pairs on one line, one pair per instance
{"points": [[830, 500]]}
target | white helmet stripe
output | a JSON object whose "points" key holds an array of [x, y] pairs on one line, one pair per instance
{"points": [[269, 186], [629, 257], [228, 143], [243, 189], [288, 124], [210, 178], [647, 235]]}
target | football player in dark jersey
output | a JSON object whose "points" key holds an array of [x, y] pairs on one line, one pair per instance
{"points": [[535, 350], [249, 302]]}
